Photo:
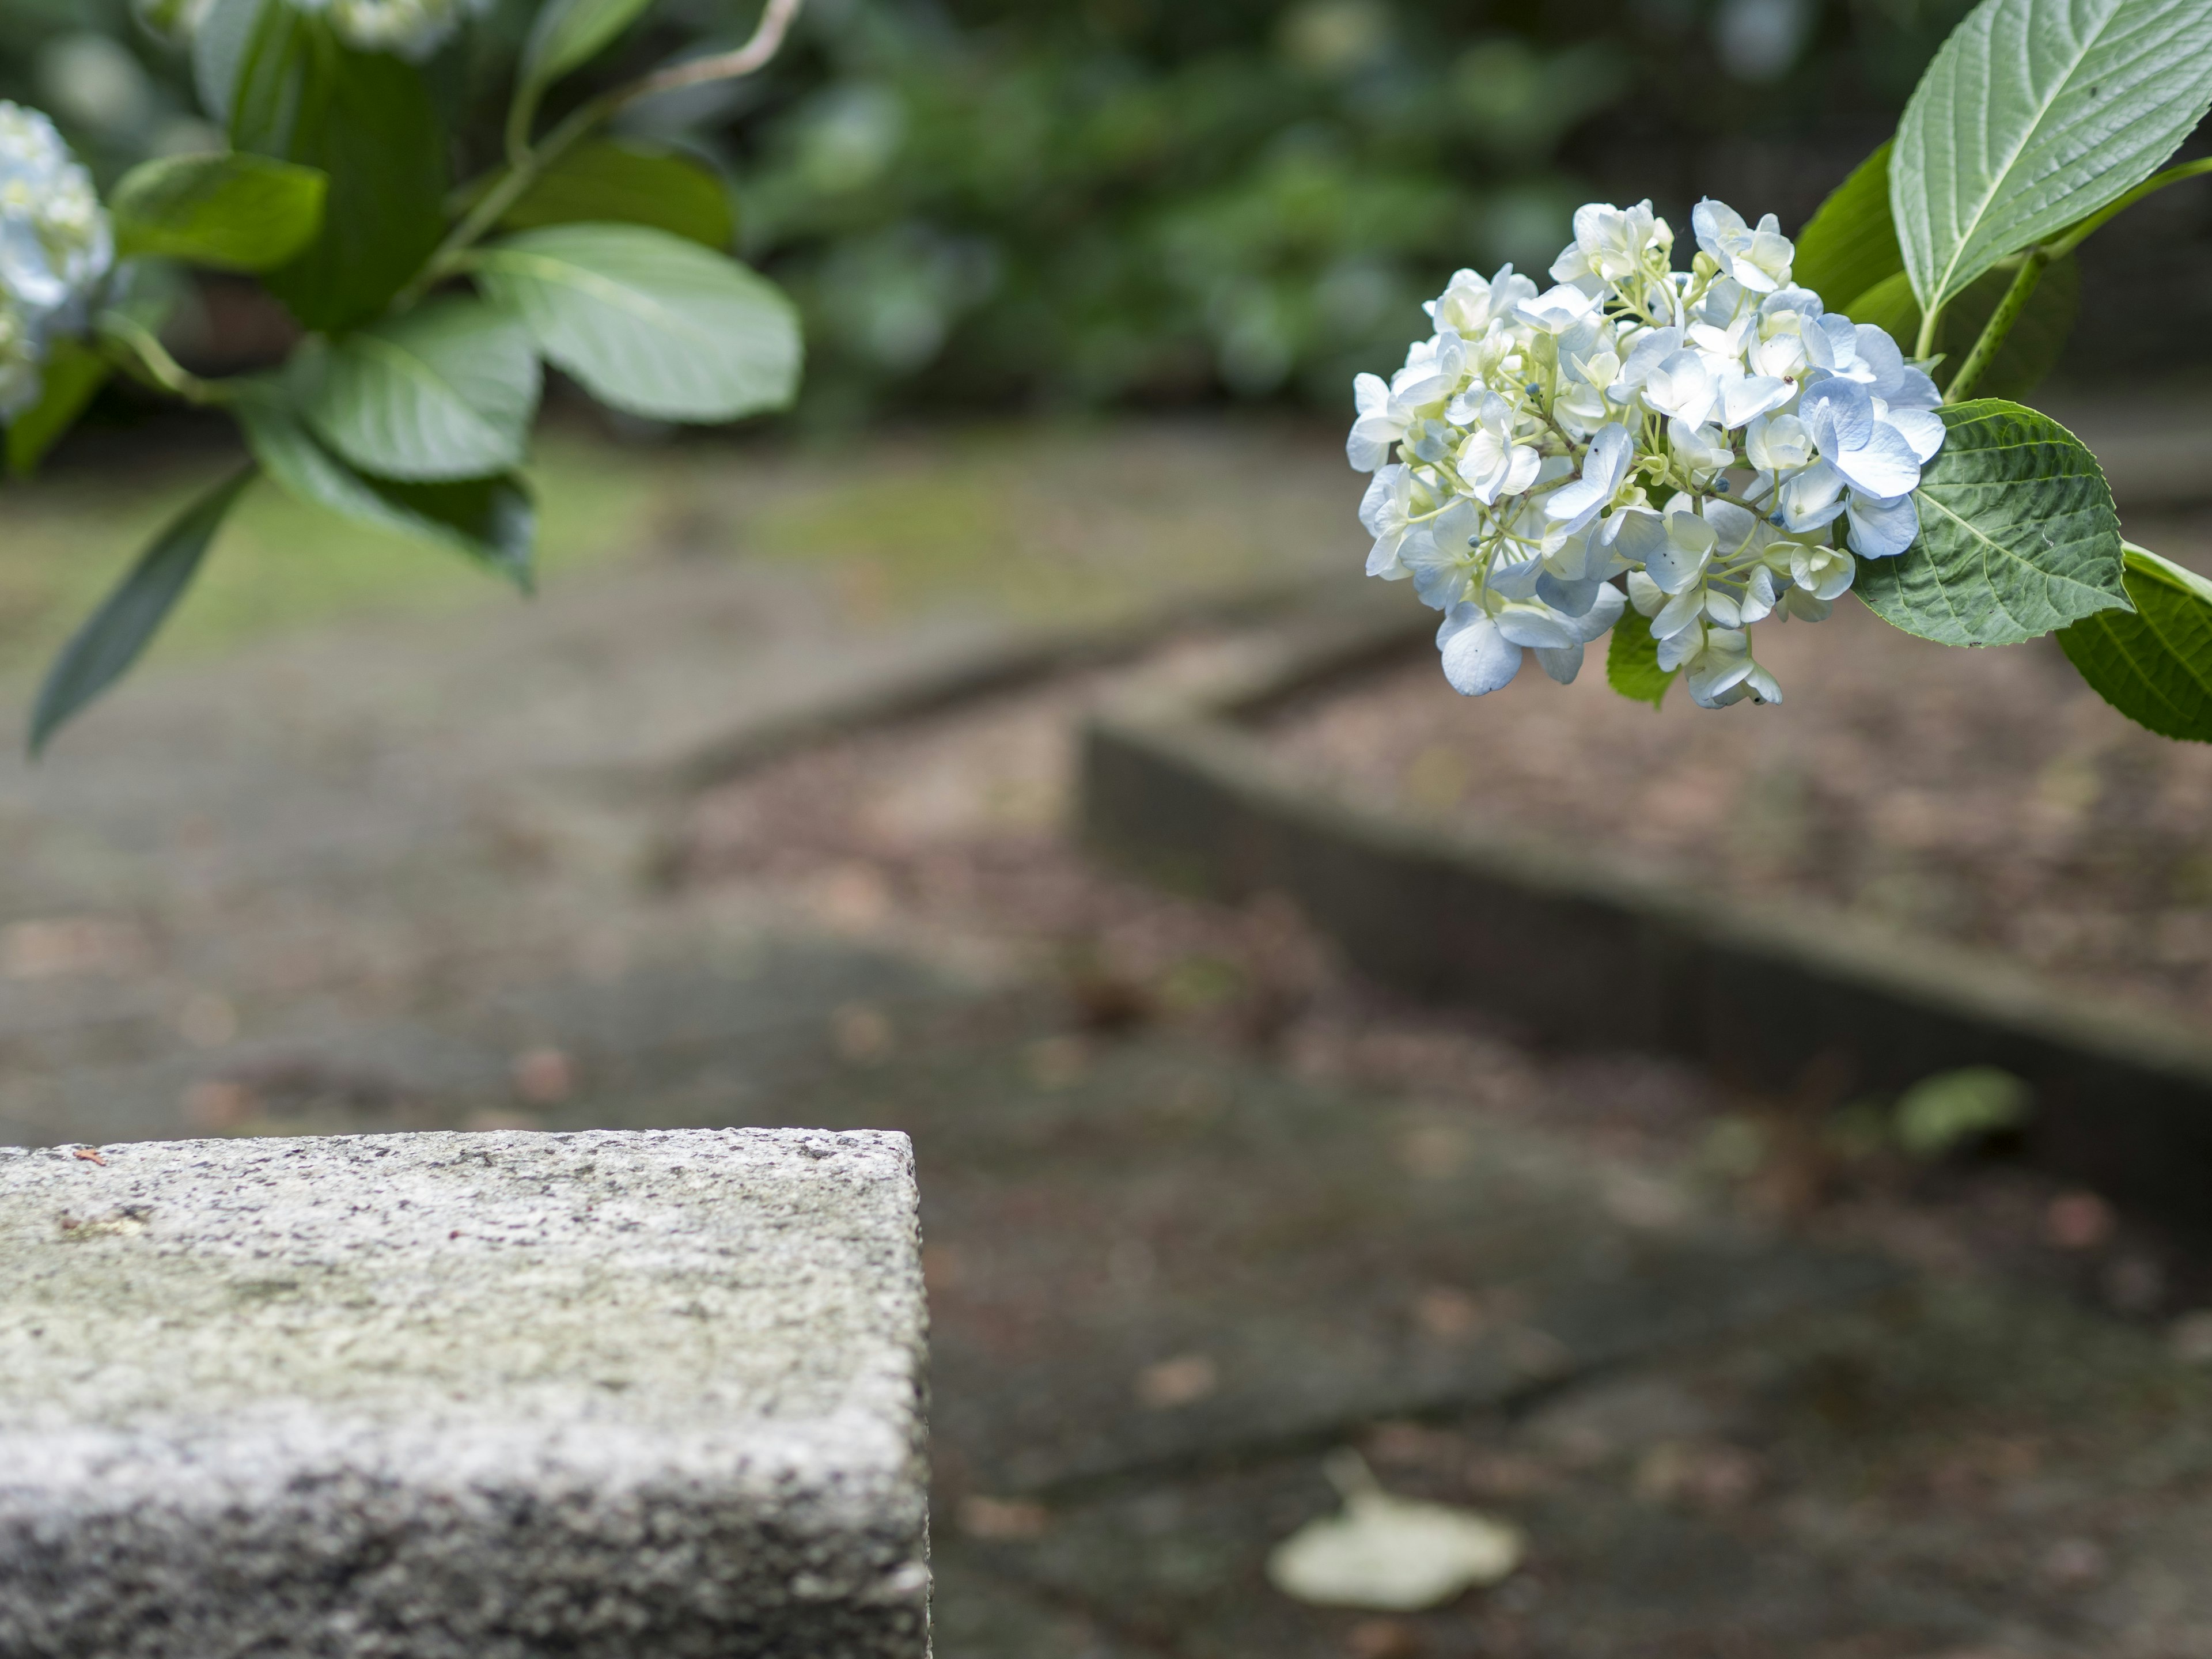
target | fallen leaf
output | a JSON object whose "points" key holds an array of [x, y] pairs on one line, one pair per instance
{"points": [[89, 1154], [1183, 1381], [1390, 1554]]}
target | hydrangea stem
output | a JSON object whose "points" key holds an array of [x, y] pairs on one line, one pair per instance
{"points": [[2031, 272], [530, 160], [2000, 324], [143, 353]]}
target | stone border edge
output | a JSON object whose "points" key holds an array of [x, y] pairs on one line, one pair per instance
{"points": [[1175, 787]]}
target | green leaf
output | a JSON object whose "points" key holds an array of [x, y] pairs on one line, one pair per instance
{"points": [[236, 212], [2018, 534], [2155, 666], [1850, 244], [72, 373], [647, 322], [1632, 661], [1941, 1113], [102, 651], [2030, 352], [447, 390], [491, 520], [569, 34], [365, 119], [219, 42], [2033, 114], [619, 182]]}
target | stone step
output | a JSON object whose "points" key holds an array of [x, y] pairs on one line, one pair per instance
{"points": [[496, 1394]]}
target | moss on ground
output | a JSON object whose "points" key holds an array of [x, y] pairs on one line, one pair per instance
{"points": [[1036, 522]]}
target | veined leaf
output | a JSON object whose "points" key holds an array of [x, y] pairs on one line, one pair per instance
{"points": [[2031, 351], [445, 391], [619, 182], [234, 211], [73, 374], [100, 653], [492, 520], [648, 322], [1632, 660], [2018, 534], [2154, 666], [1850, 244], [365, 119], [2036, 113]]}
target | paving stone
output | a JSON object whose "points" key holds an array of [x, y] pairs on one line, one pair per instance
{"points": [[1178, 1259], [445, 1395], [975, 1613], [1945, 1471]]}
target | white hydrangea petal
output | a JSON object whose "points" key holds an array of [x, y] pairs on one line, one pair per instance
{"points": [[1732, 525], [1922, 430], [1712, 222], [1745, 397], [1915, 390], [1531, 622], [1882, 467], [1638, 532], [1759, 597], [1604, 612], [1683, 610], [1882, 529], [1723, 664], [1681, 387], [1476, 656], [1839, 413], [1561, 662], [1776, 443], [1679, 647]]}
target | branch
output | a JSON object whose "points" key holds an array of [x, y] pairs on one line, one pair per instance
{"points": [[767, 40], [530, 166], [2000, 324], [146, 355]]}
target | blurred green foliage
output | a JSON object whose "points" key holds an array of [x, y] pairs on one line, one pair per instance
{"points": [[1093, 202], [1141, 200]]}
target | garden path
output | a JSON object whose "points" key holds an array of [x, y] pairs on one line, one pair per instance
{"points": [[1196, 1209]]}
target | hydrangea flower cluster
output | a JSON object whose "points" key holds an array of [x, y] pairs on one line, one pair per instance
{"points": [[1715, 436], [411, 28], [56, 247]]}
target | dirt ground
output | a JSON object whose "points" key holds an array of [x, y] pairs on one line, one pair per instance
{"points": [[1894, 1475], [1984, 796]]}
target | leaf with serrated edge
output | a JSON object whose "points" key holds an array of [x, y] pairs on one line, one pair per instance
{"points": [[647, 322], [2018, 534], [1632, 661], [2154, 666], [489, 519], [447, 390], [101, 652], [2036, 113], [1850, 244]]}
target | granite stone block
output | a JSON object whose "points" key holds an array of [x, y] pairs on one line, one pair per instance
{"points": [[436, 1395]]}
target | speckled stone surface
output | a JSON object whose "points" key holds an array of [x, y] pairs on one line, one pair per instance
{"points": [[492, 1394]]}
